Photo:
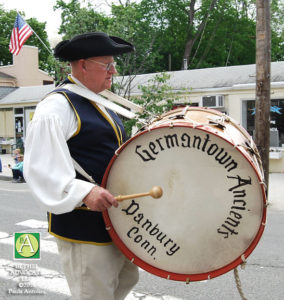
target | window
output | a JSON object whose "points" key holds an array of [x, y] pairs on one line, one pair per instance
{"points": [[276, 120], [19, 111], [213, 101]]}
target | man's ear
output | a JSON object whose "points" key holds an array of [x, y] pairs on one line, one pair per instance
{"points": [[82, 64]]}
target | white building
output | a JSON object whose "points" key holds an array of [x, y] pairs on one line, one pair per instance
{"points": [[232, 91], [228, 89]]}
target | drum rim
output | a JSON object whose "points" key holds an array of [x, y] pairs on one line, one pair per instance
{"points": [[171, 275], [212, 111]]}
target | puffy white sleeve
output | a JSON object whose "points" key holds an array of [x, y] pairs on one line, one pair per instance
{"points": [[48, 167]]}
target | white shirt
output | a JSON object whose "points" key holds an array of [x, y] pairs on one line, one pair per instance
{"points": [[48, 167]]}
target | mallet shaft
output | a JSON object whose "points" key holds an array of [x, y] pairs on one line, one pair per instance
{"points": [[155, 192], [126, 197]]}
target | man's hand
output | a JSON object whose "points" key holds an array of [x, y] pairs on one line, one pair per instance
{"points": [[99, 199]]}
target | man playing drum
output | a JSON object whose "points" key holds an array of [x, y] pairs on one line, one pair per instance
{"points": [[67, 127]]}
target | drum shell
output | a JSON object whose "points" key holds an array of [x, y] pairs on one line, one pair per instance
{"points": [[227, 135]]}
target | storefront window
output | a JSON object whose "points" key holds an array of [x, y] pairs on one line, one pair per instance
{"points": [[19, 111], [276, 121]]}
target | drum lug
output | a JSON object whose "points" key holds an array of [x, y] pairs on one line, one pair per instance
{"points": [[218, 125], [177, 117]]}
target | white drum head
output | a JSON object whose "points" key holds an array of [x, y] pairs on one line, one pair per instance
{"points": [[212, 211]]}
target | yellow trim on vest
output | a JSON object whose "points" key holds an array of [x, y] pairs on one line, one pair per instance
{"points": [[71, 240], [115, 128], [71, 79], [119, 137], [120, 133], [79, 242], [77, 115], [82, 208]]}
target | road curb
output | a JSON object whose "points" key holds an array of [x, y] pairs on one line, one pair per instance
{"points": [[6, 178]]}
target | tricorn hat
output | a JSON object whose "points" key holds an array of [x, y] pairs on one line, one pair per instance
{"points": [[91, 44]]}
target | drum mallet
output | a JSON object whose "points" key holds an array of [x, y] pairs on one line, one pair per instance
{"points": [[155, 192]]}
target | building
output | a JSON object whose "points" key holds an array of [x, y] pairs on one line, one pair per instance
{"points": [[25, 70], [22, 85], [227, 89], [232, 91]]}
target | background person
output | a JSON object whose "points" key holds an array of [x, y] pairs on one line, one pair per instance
{"points": [[16, 154], [17, 170], [68, 126]]}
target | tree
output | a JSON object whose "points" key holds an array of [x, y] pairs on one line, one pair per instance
{"points": [[229, 39], [277, 30], [207, 33], [193, 32], [156, 98], [130, 23], [167, 20], [76, 19], [7, 19]]}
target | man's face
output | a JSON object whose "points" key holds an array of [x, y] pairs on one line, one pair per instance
{"points": [[97, 78]]}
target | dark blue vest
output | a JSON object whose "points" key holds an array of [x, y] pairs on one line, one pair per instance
{"points": [[92, 146]]}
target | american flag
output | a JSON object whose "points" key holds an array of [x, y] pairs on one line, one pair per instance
{"points": [[21, 32]]}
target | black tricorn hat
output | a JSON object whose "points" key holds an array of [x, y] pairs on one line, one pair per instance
{"points": [[91, 44]]}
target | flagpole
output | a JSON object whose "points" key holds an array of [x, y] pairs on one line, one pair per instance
{"points": [[48, 49], [42, 41], [37, 36]]}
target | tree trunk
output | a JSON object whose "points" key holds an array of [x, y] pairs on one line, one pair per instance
{"points": [[262, 103], [192, 38]]}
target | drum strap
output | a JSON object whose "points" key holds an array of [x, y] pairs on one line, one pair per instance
{"points": [[81, 171], [98, 99]]}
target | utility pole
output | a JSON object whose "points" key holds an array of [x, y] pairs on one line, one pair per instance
{"points": [[262, 103]]}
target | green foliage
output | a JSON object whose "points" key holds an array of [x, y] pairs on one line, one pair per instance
{"points": [[129, 23], [168, 22], [7, 19], [157, 97], [76, 19], [44, 55], [160, 30], [228, 39]]}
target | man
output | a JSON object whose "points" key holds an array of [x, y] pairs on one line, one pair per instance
{"points": [[67, 127]]}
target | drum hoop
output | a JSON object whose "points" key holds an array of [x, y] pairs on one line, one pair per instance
{"points": [[177, 276], [213, 111]]}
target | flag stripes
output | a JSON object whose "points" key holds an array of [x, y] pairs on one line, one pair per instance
{"points": [[20, 33]]}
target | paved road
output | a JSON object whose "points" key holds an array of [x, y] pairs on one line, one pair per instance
{"points": [[262, 278]]}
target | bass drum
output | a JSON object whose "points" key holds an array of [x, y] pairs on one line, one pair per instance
{"points": [[213, 209]]}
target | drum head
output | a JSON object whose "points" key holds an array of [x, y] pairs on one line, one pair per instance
{"points": [[212, 211]]}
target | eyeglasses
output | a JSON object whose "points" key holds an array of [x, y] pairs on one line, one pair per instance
{"points": [[107, 66]]}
